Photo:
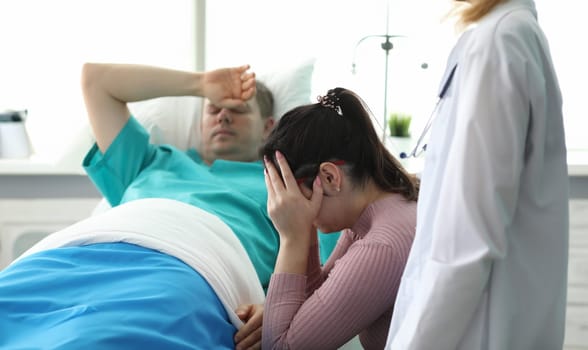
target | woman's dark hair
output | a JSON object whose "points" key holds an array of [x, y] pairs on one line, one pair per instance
{"points": [[338, 127]]}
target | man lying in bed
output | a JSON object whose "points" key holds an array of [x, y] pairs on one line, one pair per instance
{"points": [[104, 282]]}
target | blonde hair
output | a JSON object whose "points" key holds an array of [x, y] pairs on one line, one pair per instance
{"points": [[471, 11]]}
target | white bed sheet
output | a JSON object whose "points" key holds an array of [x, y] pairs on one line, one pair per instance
{"points": [[198, 238]]}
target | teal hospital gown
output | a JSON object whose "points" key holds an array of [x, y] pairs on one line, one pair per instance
{"points": [[132, 168]]}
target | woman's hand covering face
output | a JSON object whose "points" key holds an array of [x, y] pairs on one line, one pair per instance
{"points": [[290, 210]]}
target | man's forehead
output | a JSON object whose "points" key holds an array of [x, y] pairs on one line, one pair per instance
{"points": [[248, 107]]}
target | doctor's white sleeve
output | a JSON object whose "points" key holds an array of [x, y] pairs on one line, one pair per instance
{"points": [[475, 203]]}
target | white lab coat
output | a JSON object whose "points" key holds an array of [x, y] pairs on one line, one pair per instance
{"points": [[488, 265]]}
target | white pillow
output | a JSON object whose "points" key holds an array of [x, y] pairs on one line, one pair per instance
{"points": [[176, 120], [290, 85], [169, 119]]}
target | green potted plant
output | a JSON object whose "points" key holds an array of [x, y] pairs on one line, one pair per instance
{"points": [[399, 131], [399, 124]]}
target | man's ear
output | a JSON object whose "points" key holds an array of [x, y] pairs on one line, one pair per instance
{"points": [[268, 126], [331, 177]]}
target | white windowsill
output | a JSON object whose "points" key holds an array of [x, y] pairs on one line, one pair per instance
{"points": [[35, 165]]}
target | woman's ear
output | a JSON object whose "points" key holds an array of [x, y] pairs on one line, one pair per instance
{"points": [[331, 177]]}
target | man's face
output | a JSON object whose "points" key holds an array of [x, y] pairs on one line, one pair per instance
{"points": [[232, 134]]}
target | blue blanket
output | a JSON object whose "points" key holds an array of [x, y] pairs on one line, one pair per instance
{"points": [[109, 296]]}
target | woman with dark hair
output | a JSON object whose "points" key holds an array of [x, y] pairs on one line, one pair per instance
{"points": [[327, 169]]}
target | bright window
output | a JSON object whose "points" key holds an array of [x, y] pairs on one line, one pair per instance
{"points": [[45, 43]]}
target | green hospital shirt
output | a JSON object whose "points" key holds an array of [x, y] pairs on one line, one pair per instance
{"points": [[132, 168]]}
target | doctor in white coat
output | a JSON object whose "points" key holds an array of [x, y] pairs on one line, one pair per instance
{"points": [[488, 266]]}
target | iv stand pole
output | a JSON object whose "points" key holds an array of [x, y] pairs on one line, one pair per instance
{"points": [[386, 46]]}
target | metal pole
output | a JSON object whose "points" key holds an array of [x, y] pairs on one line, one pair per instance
{"points": [[387, 46]]}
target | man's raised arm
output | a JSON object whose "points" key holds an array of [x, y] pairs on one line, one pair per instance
{"points": [[107, 88]]}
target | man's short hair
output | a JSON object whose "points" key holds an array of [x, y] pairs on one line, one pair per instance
{"points": [[265, 100]]}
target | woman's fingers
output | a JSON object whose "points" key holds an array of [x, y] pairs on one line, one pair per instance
{"points": [[243, 311], [284, 182], [253, 341], [274, 178], [249, 335], [268, 182], [287, 176]]}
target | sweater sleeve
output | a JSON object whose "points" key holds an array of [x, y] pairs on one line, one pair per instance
{"points": [[314, 273], [317, 275], [338, 310]]}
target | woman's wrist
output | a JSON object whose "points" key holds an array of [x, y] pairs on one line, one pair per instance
{"points": [[293, 255]]}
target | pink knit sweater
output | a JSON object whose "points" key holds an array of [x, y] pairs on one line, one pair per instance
{"points": [[355, 291]]}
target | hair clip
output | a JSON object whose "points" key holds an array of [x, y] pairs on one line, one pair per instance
{"points": [[331, 100]]}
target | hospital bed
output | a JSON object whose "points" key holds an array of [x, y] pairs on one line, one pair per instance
{"points": [[162, 226], [215, 253]]}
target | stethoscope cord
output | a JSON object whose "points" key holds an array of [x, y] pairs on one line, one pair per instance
{"points": [[418, 149]]}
